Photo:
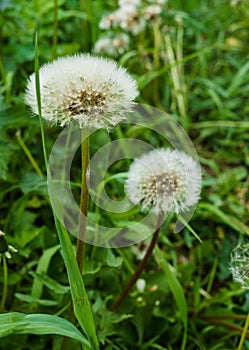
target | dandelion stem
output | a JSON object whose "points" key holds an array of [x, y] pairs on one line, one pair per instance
{"points": [[5, 284], [83, 199], [244, 333], [28, 153], [138, 271]]}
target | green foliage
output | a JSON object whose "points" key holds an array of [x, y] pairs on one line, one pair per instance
{"points": [[38, 324], [192, 62]]}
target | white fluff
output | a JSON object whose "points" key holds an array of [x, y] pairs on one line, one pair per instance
{"points": [[164, 181], [93, 91]]}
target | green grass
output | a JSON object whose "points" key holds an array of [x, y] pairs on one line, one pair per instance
{"points": [[192, 64]]}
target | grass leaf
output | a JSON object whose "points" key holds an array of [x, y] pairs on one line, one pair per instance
{"points": [[176, 290], [19, 323]]}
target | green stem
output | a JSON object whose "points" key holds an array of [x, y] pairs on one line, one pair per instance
{"points": [[28, 153], [83, 199], [55, 30], [5, 284], [138, 271], [244, 333], [38, 97], [2, 72]]}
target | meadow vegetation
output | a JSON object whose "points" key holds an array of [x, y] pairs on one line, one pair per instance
{"points": [[189, 59]]}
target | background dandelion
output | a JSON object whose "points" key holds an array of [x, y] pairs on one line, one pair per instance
{"points": [[164, 181], [239, 265]]}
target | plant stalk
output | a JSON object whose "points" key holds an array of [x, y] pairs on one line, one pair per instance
{"points": [[244, 333], [83, 200], [138, 271], [5, 284], [28, 153]]}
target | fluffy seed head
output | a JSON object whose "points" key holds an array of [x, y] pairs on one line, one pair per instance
{"points": [[240, 265], [91, 90], [164, 181]]}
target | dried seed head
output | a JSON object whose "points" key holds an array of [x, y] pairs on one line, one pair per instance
{"points": [[93, 91], [164, 180]]}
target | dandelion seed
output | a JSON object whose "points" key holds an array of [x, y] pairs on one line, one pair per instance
{"points": [[164, 181], [93, 91]]}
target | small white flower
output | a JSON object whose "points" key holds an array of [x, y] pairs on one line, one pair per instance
{"points": [[141, 284], [5, 248], [93, 91], [164, 181]]}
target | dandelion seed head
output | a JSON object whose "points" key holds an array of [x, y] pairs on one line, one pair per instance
{"points": [[152, 11], [239, 265], [91, 90], [113, 46], [164, 180]]}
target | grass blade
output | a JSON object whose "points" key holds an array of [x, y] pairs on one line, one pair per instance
{"points": [[176, 290], [19, 323], [82, 308]]}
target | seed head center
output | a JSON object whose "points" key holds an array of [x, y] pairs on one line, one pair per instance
{"points": [[161, 184], [86, 101]]}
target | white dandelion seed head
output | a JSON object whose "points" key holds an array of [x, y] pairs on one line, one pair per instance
{"points": [[239, 265], [108, 20], [152, 11], [104, 45], [126, 18], [91, 90], [121, 42], [113, 46], [164, 181]]}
